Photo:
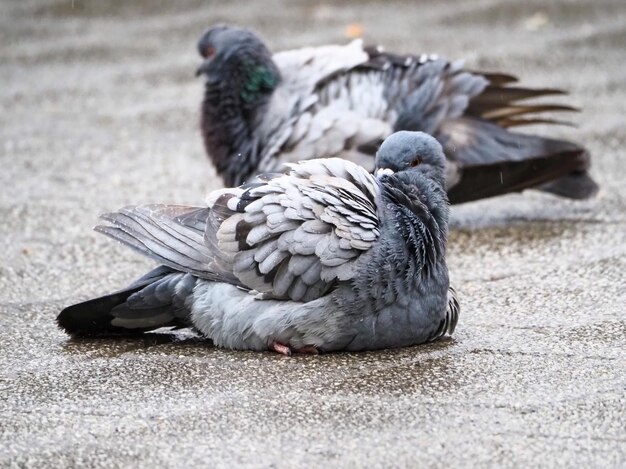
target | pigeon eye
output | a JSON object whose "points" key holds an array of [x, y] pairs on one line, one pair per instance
{"points": [[415, 162], [209, 52]]}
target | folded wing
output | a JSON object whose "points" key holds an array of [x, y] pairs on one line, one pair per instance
{"points": [[289, 236], [296, 234]]}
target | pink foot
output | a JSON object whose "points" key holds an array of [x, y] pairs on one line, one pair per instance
{"points": [[287, 351], [280, 348]]}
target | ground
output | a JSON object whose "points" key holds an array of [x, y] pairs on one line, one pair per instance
{"points": [[100, 110]]}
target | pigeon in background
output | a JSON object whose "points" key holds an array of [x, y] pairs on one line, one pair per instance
{"points": [[322, 257], [261, 110]]}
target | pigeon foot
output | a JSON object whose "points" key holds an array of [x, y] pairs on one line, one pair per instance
{"points": [[280, 348], [288, 351]]}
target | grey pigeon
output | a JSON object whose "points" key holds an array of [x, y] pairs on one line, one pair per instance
{"points": [[322, 257], [261, 110]]}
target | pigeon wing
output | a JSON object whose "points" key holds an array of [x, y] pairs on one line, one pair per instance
{"points": [[344, 100], [347, 99], [294, 235], [302, 70], [291, 115], [176, 236]]}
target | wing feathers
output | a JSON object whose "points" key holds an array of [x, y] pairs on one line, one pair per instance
{"points": [[168, 234], [303, 229], [290, 235]]}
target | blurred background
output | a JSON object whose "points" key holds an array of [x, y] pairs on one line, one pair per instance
{"points": [[100, 110]]}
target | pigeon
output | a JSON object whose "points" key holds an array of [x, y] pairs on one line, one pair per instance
{"points": [[323, 256], [261, 110]]}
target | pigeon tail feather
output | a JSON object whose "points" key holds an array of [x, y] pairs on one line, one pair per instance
{"points": [[155, 300], [491, 161]]}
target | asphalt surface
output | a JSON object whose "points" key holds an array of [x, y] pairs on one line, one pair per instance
{"points": [[100, 109]]}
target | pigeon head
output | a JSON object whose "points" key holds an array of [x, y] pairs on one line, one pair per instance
{"points": [[411, 152], [239, 57]]}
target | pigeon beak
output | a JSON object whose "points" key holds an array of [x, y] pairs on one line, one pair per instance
{"points": [[380, 172], [202, 68]]}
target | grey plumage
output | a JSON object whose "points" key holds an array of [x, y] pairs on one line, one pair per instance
{"points": [[324, 255], [261, 110]]}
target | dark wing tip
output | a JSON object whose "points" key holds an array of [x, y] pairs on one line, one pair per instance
{"points": [[576, 186], [84, 319]]}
